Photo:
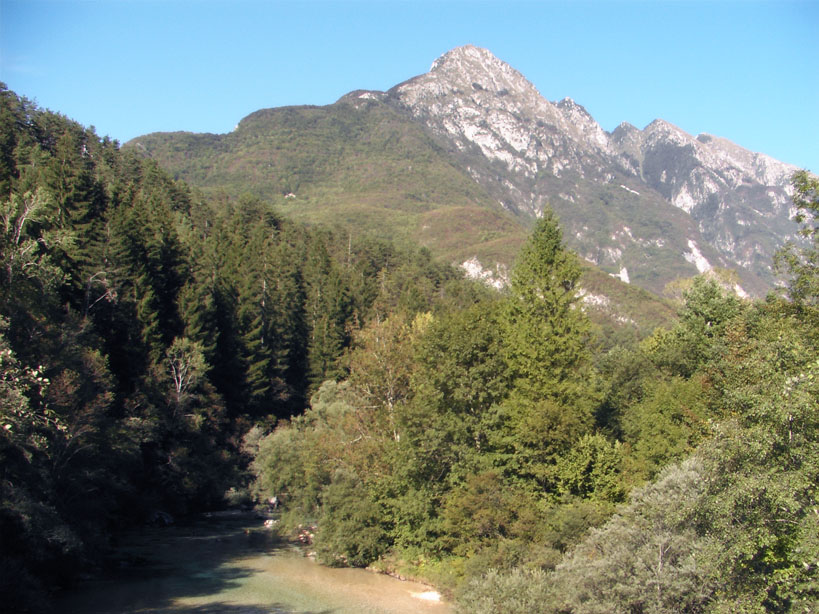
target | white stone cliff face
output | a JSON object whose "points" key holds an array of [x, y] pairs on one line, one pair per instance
{"points": [[475, 99], [497, 277], [486, 108], [719, 165]]}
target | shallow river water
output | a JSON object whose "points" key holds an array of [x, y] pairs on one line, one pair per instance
{"points": [[235, 567]]}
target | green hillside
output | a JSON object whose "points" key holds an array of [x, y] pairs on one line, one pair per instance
{"points": [[621, 310], [362, 167]]}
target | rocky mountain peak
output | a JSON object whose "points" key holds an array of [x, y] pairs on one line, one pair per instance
{"points": [[590, 130], [661, 130], [481, 103], [647, 206], [570, 107], [706, 165], [479, 68], [465, 54], [757, 166], [477, 100], [734, 202], [471, 74]]}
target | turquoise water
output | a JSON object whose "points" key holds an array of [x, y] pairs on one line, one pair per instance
{"points": [[236, 568]]}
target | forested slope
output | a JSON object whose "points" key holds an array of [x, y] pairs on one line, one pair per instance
{"points": [[145, 329], [157, 342], [359, 165], [491, 451]]}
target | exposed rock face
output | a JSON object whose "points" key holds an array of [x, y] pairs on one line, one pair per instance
{"points": [[631, 199], [739, 199], [646, 206], [478, 101]]}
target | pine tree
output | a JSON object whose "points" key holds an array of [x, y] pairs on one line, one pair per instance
{"points": [[253, 315], [546, 348], [148, 261], [288, 328], [270, 320], [198, 305], [328, 309], [80, 207], [546, 331]]}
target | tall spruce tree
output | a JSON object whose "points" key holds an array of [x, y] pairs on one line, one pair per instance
{"points": [[546, 332], [546, 347], [328, 307]]}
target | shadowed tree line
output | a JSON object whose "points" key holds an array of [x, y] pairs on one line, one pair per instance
{"points": [[144, 329]]}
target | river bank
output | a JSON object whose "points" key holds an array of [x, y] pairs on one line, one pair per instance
{"points": [[236, 566]]}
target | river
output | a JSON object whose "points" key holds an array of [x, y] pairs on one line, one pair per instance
{"points": [[236, 567]]}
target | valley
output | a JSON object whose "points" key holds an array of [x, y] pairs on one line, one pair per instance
{"points": [[451, 331]]}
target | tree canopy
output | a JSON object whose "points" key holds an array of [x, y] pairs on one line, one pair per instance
{"points": [[167, 352]]}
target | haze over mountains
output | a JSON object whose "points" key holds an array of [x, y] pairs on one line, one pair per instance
{"points": [[464, 157]]}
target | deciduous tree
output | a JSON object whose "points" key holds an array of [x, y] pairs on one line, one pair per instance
{"points": [[802, 263]]}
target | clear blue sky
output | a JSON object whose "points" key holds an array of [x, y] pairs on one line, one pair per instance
{"points": [[745, 70]]}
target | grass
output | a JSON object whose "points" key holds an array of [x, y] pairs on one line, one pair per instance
{"points": [[365, 167]]}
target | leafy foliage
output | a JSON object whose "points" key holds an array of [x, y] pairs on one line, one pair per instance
{"points": [[801, 262], [452, 424], [520, 591], [351, 531], [155, 341], [733, 527]]}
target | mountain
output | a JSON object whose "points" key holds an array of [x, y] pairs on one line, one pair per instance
{"points": [[358, 164], [649, 205], [464, 157]]}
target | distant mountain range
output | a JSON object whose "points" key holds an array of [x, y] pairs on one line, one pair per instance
{"points": [[463, 158]]}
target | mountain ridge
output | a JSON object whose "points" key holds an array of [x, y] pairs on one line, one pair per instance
{"points": [[724, 188], [647, 206]]}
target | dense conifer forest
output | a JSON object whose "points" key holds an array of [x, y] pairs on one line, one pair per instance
{"points": [[167, 352]]}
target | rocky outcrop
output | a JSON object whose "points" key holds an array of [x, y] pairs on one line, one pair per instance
{"points": [[615, 192]]}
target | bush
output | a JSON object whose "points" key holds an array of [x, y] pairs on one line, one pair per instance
{"points": [[520, 591], [349, 532]]}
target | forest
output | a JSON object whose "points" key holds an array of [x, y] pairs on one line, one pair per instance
{"points": [[169, 352]]}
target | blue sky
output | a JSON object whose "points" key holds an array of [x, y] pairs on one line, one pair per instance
{"points": [[744, 70]]}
